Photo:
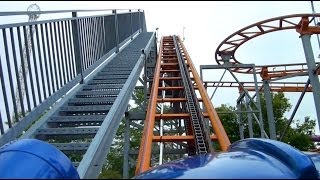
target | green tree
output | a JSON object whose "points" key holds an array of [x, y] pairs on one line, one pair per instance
{"points": [[229, 121], [297, 136]]}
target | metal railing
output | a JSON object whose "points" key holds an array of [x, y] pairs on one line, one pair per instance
{"points": [[63, 52]]}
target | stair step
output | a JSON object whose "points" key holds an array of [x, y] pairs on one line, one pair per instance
{"points": [[74, 121], [102, 86], [110, 68], [65, 147], [114, 73], [107, 81], [88, 118], [92, 109], [91, 101], [66, 133], [97, 93], [106, 77]]}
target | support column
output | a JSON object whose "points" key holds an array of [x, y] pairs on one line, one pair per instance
{"points": [[240, 120], [76, 46], [249, 116], [145, 79], [268, 98], [314, 79], [131, 27], [125, 171], [116, 28], [258, 102], [140, 27]]}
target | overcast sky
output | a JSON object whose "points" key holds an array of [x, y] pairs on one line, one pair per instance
{"points": [[207, 24]]}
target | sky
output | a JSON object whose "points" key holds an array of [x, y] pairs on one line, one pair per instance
{"points": [[206, 25]]}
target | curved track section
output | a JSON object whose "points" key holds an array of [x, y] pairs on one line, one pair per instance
{"points": [[228, 47]]}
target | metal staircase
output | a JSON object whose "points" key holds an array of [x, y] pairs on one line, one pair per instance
{"points": [[103, 62], [73, 127]]}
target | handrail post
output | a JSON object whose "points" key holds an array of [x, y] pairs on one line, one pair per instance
{"points": [[76, 46], [139, 21], [131, 24], [144, 28], [116, 29]]}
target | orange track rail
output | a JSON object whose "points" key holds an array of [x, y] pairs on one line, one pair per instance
{"points": [[167, 62]]}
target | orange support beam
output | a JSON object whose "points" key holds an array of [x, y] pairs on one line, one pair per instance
{"points": [[173, 116], [174, 99], [304, 28], [170, 78], [177, 138], [171, 88]]}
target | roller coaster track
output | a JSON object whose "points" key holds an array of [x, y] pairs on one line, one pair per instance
{"points": [[181, 82], [225, 56], [228, 47]]}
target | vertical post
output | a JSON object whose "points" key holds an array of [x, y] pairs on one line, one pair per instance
{"points": [[157, 36], [154, 52], [76, 46], [131, 24], [249, 116], [313, 76], [206, 88], [161, 124], [144, 26], [240, 119], [271, 122], [125, 171], [145, 79], [201, 74], [116, 29], [139, 21], [1, 125], [258, 101]]}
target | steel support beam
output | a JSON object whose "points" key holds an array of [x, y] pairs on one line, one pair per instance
{"points": [[125, 171], [249, 116], [314, 79], [295, 110], [116, 27], [240, 121], [76, 44], [269, 106], [228, 65], [218, 84], [258, 103]]}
